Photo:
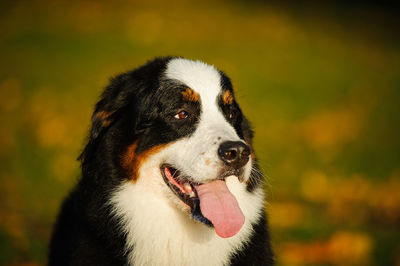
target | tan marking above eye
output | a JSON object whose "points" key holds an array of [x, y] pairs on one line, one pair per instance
{"points": [[190, 95], [227, 98]]}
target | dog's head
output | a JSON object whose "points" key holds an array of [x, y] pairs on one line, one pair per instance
{"points": [[173, 126]]}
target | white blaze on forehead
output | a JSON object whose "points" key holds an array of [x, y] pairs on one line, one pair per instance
{"points": [[202, 78], [206, 81]]}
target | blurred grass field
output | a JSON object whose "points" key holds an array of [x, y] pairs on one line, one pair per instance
{"points": [[321, 85]]}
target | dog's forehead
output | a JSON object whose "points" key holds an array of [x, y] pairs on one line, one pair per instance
{"points": [[200, 77]]}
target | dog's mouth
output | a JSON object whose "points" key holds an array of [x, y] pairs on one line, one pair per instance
{"points": [[210, 203], [185, 190]]}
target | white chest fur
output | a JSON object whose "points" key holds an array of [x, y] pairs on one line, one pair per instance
{"points": [[159, 233]]}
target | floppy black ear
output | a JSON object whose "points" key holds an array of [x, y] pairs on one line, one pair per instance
{"points": [[115, 98], [102, 118], [120, 101]]}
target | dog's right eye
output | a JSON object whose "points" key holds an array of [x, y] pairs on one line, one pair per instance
{"points": [[182, 115]]}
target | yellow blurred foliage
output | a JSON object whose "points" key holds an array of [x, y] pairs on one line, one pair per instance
{"points": [[342, 248], [346, 248], [315, 186], [52, 132], [11, 218], [51, 122], [354, 198], [7, 141], [327, 131], [10, 95], [384, 200], [360, 199], [63, 166], [285, 214]]}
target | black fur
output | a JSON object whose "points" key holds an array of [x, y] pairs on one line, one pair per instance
{"points": [[136, 106]]}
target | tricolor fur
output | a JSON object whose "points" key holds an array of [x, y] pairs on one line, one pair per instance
{"points": [[160, 135]]}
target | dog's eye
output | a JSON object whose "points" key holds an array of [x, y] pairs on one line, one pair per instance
{"points": [[232, 114], [182, 115]]}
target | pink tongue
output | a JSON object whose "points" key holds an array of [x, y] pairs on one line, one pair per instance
{"points": [[219, 206]]}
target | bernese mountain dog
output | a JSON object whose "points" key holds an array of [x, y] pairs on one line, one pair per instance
{"points": [[169, 175]]}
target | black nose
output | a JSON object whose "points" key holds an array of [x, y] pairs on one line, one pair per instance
{"points": [[234, 153]]}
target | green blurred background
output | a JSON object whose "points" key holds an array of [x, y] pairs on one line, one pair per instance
{"points": [[320, 82]]}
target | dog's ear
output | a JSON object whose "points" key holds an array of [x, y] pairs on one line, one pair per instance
{"points": [[116, 98], [101, 120], [106, 110]]}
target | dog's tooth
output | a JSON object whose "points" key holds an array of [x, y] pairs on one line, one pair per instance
{"points": [[187, 186], [192, 194]]}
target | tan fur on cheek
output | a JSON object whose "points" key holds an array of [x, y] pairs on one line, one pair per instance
{"points": [[132, 161]]}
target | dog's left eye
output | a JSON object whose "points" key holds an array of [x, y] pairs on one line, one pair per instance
{"points": [[232, 115], [182, 115]]}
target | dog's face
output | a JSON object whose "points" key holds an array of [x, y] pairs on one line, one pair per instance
{"points": [[174, 128]]}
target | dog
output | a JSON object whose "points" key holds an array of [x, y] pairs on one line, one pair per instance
{"points": [[169, 175]]}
